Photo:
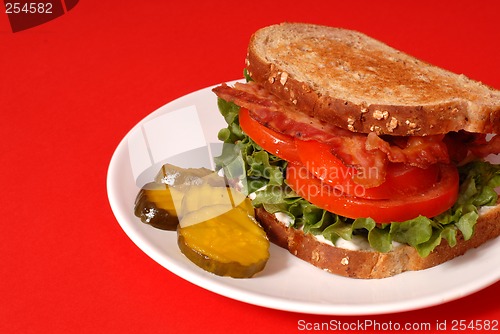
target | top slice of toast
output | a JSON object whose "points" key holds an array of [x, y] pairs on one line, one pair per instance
{"points": [[363, 85]]}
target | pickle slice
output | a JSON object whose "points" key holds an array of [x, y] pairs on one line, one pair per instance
{"points": [[185, 177], [203, 214], [230, 244], [156, 205], [197, 197], [215, 224]]}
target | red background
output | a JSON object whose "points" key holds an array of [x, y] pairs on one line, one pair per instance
{"points": [[71, 89]]}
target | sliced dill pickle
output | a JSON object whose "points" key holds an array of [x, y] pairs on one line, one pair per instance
{"points": [[215, 224], [246, 205], [185, 177], [197, 197], [231, 244], [203, 214], [156, 205]]}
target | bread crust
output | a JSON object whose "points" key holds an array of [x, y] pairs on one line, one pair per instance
{"points": [[366, 264], [396, 95]]}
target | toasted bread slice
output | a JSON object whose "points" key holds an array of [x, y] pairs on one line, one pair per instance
{"points": [[372, 264], [363, 85]]}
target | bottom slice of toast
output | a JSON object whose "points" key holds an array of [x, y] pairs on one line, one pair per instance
{"points": [[369, 263]]}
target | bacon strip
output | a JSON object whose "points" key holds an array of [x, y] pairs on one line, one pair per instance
{"points": [[354, 149], [285, 118], [419, 151], [483, 149], [277, 114]]}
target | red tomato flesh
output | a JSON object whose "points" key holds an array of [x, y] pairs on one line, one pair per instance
{"points": [[432, 202], [280, 145], [315, 174], [400, 179]]}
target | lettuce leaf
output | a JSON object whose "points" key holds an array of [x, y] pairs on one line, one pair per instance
{"points": [[261, 174]]}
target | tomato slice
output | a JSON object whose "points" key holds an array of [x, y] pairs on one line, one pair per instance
{"points": [[407, 192], [400, 179], [435, 200], [280, 145], [319, 160]]}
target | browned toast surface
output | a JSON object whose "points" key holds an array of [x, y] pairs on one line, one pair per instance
{"points": [[364, 85]]}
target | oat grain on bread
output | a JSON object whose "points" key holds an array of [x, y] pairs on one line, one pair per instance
{"points": [[363, 85], [371, 264]]}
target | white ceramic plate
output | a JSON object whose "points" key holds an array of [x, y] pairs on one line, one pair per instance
{"points": [[182, 132]]}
